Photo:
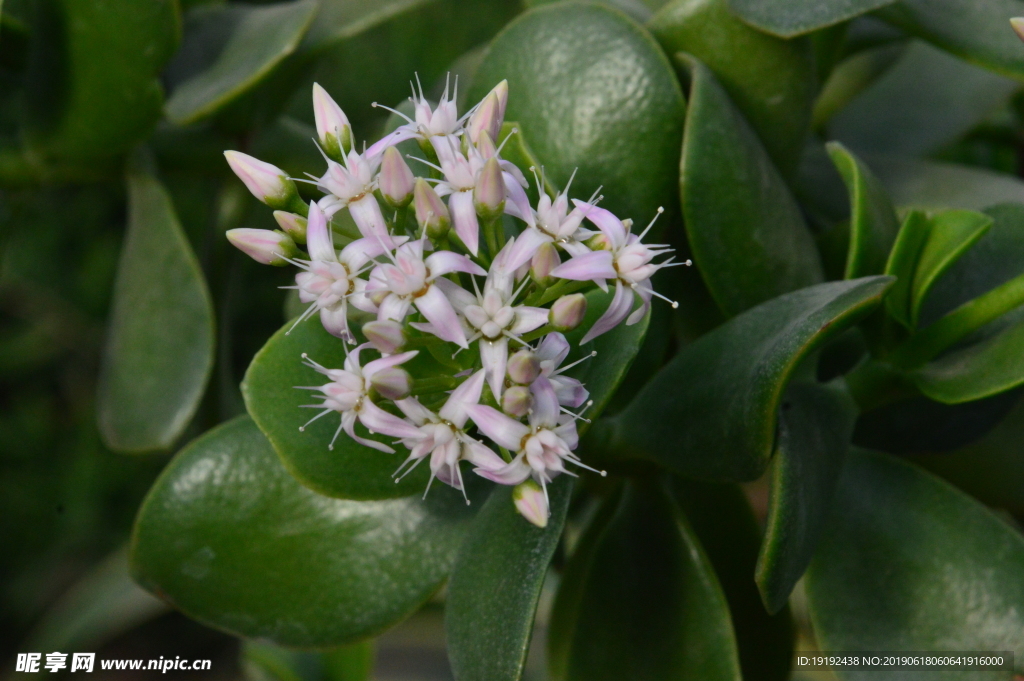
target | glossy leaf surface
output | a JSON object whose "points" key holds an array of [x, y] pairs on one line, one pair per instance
{"points": [[771, 80], [231, 539], [951, 569], [815, 425], [873, 221], [933, 185], [650, 606], [711, 412], [337, 20], [159, 350], [258, 38], [496, 583], [746, 231], [593, 91], [789, 18]]}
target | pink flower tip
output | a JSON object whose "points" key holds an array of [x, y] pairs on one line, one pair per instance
{"points": [[332, 126], [396, 181], [292, 224], [568, 312], [531, 502], [387, 336], [263, 245], [267, 182]]}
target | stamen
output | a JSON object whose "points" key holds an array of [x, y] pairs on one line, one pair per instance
{"points": [[573, 414], [424, 162], [302, 428], [310, 311], [394, 111], [673, 303], [336, 433], [593, 353], [648, 228], [569, 183], [501, 146]]}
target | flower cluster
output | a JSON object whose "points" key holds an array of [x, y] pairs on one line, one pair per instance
{"points": [[459, 262]]}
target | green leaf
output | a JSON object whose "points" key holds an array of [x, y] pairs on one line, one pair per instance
{"points": [[711, 412], [593, 91], [159, 349], [873, 221], [771, 80], [931, 185], [983, 369], [337, 20], [815, 425], [788, 18], [909, 563], [496, 583], [926, 100], [228, 537], [746, 231], [350, 470], [977, 30], [852, 76], [104, 59], [265, 662], [903, 259], [649, 606], [252, 40], [728, 532]]}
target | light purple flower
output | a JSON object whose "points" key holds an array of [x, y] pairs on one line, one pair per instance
{"points": [[263, 245], [442, 436], [332, 126], [551, 352], [352, 185], [348, 394]]}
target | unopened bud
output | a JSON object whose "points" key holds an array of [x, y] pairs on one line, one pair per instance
{"points": [[332, 126], [489, 192], [485, 146], [531, 502], [292, 224], [431, 213], [516, 401], [598, 242], [263, 245], [393, 383], [396, 181], [387, 336], [544, 260], [523, 367], [568, 311], [267, 182], [487, 118], [1018, 25]]}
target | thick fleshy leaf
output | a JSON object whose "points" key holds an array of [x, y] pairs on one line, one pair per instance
{"points": [[728, 532], [748, 236], [977, 30], [926, 100], [711, 412], [649, 606], [252, 40], [815, 425], [593, 91], [496, 583], [788, 18], [159, 349], [771, 80], [265, 662], [108, 101], [350, 470], [909, 563], [873, 221], [932, 185], [337, 20], [227, 536]]}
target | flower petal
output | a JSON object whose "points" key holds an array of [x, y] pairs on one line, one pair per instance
{"points": [[401, 134], [593, 265], [445, 262], [335, 321], [379, 421], [441, 315], [610, 225], [500, 428], [570, 391], [509, 474], [518, 204], [528, 319], [494, 357], [348, 422], [412, 408], [554, 348], [464, 219], [386, 362], [318, 236], [620, 306], [467, 393], [526, 244], [545, 403], [481, 456], [370, 221]]}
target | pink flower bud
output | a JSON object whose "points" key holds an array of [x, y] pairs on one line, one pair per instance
{"points": [[1018, 25], [568, 311], [431, 213], [523, 367], [487, 118], [598, 242], [267, 182], [485, 146], [392, 383], [544, 260], [292, 224], [263, 245], [489, 192], [396, 181], [332, 126], [531, 503], [387, 336], [516, 401]]}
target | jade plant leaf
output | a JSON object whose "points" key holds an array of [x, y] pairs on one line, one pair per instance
{"points": [[933, 185], [593, 91], [265, 662], [815, 425], [337, 20], [349, 470], [254, 40], [159, 349], [771, 80], [976, 30], [721, 516], [650, 606], [228, 537], [496, 583], [951, 575], [788, 18], [745, 228], [711, 412], [873, 221]]}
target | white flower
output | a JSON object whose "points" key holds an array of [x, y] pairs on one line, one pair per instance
{"points": [[352, 185]]}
